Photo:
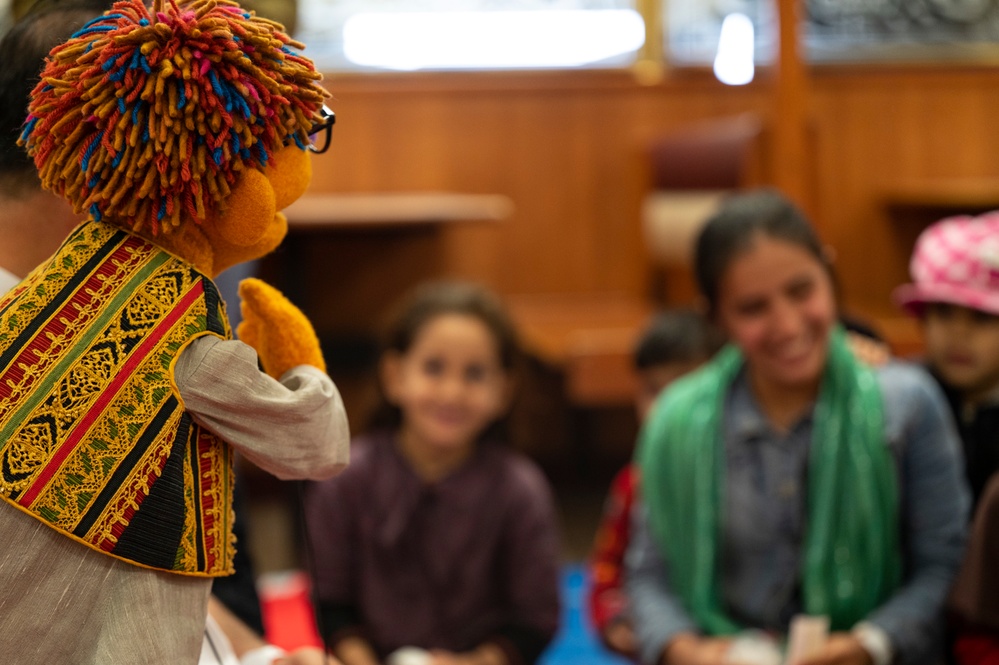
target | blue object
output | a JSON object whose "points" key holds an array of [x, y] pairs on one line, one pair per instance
{"points": [[576, 642]]}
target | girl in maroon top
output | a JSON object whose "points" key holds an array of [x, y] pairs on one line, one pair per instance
{"points": [[438, 536]]}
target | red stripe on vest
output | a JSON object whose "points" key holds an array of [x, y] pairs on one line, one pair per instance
{"points": [[80, 301], [206, 443], [83, 426]]}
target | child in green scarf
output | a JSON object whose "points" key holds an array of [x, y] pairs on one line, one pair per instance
{"points": [[786, 477]]}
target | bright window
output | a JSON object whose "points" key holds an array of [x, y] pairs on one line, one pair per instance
{"points": [[408, 35]]}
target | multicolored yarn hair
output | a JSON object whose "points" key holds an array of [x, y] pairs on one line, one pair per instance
{"points": [[145, 117]]}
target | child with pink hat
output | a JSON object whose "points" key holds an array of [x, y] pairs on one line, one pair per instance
{"points": [[955, 294]]}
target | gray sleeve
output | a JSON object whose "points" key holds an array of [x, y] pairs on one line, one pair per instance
{"points": [[658, 614], [292, 428], [934, 511]]}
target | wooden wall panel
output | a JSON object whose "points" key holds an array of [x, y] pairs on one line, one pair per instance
{"points": [[567, 149], [876, 129]]}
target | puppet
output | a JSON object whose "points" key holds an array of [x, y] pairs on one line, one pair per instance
{"points": [[180, 131]]}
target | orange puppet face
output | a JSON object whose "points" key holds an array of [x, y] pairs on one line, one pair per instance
{"points": [[252, 224]]}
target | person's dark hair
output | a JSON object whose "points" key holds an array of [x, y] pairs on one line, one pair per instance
{"points": [[430, 300], [734, 229], [676, 336], [23, 49]]}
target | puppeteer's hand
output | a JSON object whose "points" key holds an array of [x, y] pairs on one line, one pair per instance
{"points": [[486, 654], [868, 350], [280, 333], [690, 649], [840, 649], [306, 656], [620, 637]]}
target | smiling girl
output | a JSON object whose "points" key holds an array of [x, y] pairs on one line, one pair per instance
{"points": [[787, 478], [438, 536]]}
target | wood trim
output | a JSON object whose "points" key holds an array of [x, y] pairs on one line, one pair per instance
{"points": [[472, 83], [970, 194], [790, 121], [393, 209]]}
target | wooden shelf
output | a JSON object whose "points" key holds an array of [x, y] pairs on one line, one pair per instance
{"points": [[393, 209], [959, 194]]}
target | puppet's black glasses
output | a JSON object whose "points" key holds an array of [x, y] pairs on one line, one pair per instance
{"points": [[322, 132]]}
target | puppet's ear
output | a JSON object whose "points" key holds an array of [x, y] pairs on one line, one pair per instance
{"points": [[250, 210]]}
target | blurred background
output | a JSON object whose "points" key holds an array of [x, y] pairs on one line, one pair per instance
{"points": [[563, 152]]}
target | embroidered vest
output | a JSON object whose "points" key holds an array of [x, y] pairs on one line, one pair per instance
{"points": [[94, 440]]}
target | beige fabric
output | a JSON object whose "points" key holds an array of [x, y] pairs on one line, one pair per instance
{"points": [[62, 603], [296, 428]]}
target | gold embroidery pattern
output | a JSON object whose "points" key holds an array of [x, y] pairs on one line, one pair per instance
{"points": [[112, 437], [109, 439], [189, 536], [216, 498], [212, 495], [44, 286], [116, 517]]}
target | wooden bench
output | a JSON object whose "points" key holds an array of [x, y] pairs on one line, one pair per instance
{"points": [[590, 337]]}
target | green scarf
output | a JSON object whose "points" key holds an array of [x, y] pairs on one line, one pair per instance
{"points": [[851, 560]]}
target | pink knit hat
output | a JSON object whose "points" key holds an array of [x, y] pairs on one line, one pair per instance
{"points": [[956, 261]]}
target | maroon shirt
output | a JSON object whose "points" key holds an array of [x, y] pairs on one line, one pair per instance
{"points": [[470, 559]]}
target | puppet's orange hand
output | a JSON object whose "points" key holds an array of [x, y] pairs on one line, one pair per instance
{"points": [[280, 333]]}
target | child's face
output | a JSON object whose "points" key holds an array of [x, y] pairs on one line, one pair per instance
{"points": [[962, 346], [450, 384], [776, 303], [653, 379]]}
